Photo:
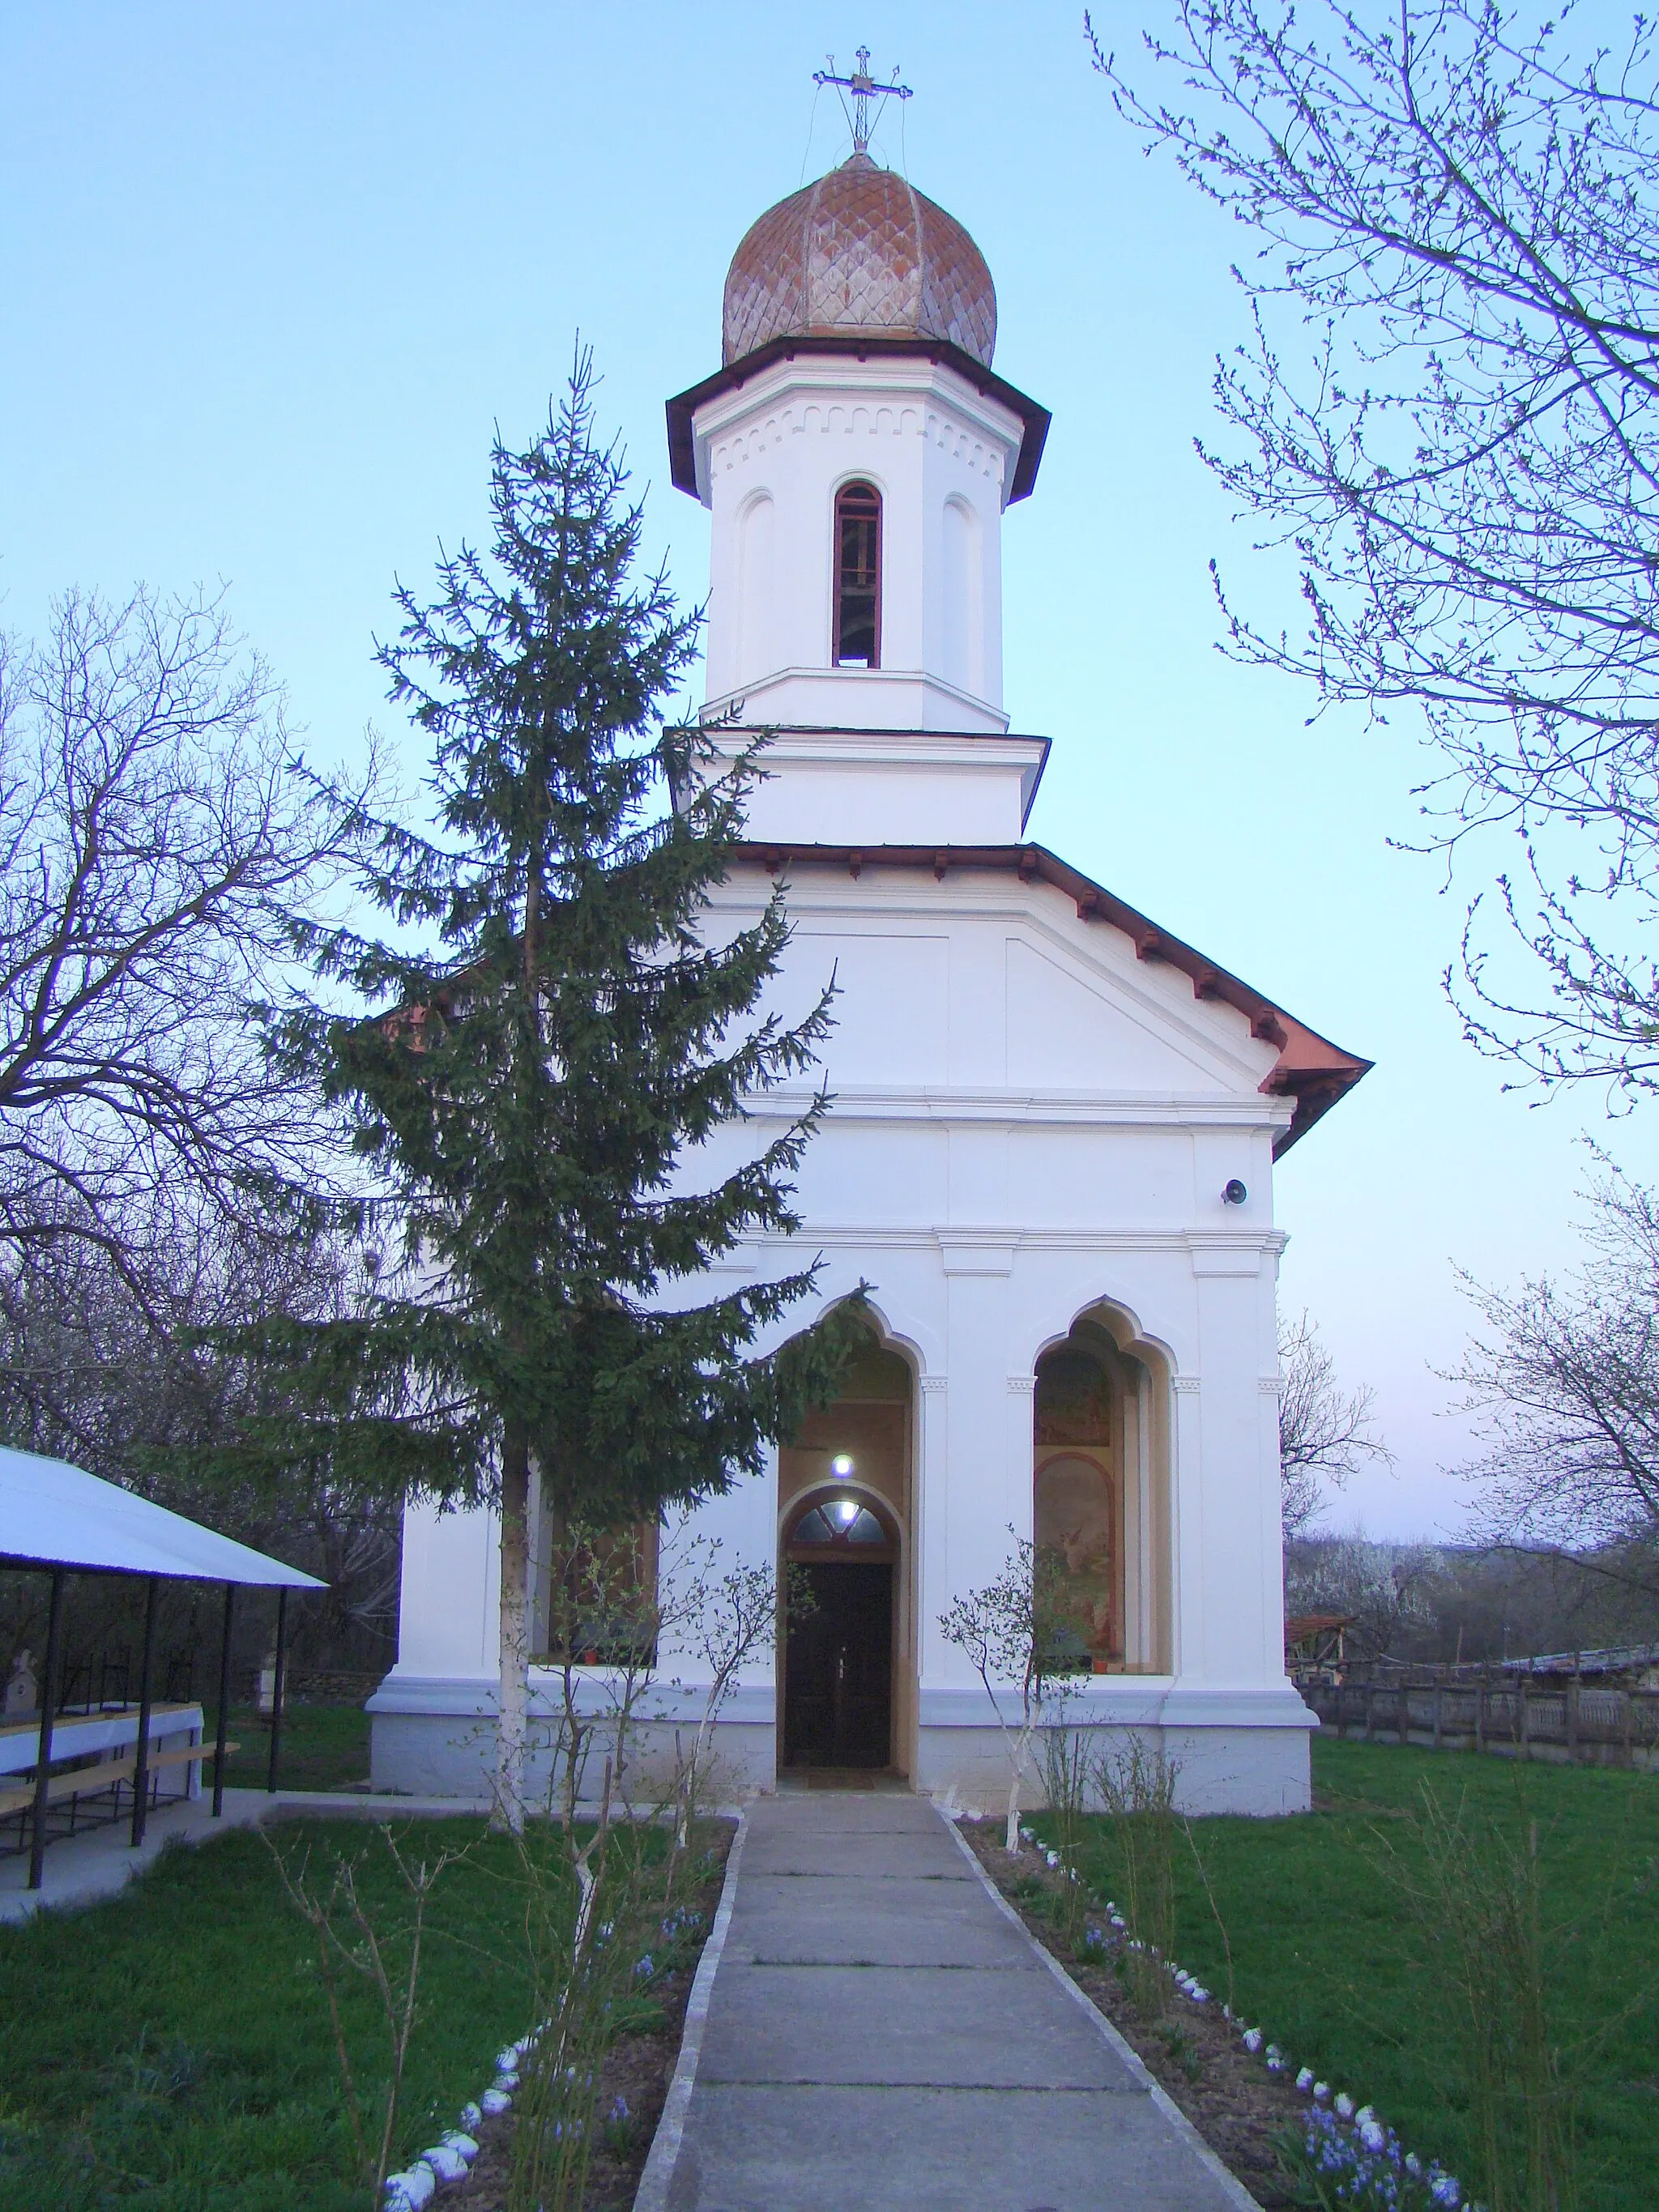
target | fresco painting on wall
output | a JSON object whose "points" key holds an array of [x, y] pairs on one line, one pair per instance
{"points": [[1075, 1521]]}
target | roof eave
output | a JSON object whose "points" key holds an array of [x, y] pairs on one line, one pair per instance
{"points": [[1310, 1070], [858, 345]]}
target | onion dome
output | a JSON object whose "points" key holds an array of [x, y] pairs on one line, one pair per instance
{"points": [[861, 250]]}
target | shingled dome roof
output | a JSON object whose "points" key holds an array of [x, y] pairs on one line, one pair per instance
{"points": [[861, 250]]}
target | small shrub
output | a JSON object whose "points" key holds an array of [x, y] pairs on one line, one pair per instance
{"points": [[618, 2129], [1137, 1787], [1065, 1769], [1182, 2050]]}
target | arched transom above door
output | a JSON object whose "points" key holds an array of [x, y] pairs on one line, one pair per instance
{"points": [[840, 1524]]}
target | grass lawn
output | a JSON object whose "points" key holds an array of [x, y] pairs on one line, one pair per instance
{"points": [[171, 2049], [322, 1747], [1329, 1960]]}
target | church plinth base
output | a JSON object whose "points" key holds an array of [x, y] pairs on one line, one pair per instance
{"points": [[436, 1738], [1257, 1772], [1234, 1752]]}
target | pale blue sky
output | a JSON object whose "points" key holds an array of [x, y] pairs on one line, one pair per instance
{"points": [[269, 276]]}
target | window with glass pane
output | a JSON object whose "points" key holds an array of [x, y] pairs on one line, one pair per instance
{"points": [[837, 1524], [858, 577]]}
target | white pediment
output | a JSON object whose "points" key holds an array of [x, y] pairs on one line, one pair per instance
{"points": [[1032, 1004], [1074, 1024], [892, 1005]]}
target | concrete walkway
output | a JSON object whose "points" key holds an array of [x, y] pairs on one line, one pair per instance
{"points": [[873, 2027], [98, 1862]]}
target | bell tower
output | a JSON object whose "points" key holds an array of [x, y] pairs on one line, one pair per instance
{"points": [[856, 452]]}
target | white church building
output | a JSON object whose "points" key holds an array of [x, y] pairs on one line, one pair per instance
{"points": [[1054, 1126]]}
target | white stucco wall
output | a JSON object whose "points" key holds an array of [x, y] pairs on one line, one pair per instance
{"points": [[1028, 1123], [770, 457]]}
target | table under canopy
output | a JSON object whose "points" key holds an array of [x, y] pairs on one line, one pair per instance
{"points": [[58, 1520]]}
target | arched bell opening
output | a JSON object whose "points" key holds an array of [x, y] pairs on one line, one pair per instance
{"points": [[847, 1690], [857, 642], [1100, 1502]]}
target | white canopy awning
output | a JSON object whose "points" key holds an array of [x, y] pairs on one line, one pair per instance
{"points": [[54, 1515]]}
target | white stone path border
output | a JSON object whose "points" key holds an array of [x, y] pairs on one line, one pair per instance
{"points": [[1376, 2148], [1228, 2183], [448, 2161]]}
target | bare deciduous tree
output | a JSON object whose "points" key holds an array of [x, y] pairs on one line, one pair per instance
{"points": [[728, 1617], [157, 831], [1563, 1379], [1005, 1631], [118, 1379], [1436, 1602], [1325, 1432], [1449, 415]]}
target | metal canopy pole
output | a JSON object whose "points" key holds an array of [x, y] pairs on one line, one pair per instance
{"points": [[141, 1759], [48, 1715], [278, 1685], [224, 1702]]}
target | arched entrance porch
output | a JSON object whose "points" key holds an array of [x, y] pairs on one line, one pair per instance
{"points": [[847, 1678]]}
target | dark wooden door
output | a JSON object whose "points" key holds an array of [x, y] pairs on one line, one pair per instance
{"points": [[838, 1693]]}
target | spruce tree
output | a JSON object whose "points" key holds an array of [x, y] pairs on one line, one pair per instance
{"points": [[551, 1032]]}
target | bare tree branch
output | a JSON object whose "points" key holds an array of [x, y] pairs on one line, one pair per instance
{"points": [[1447, 414], [159, 838], [1563, 1381], [1325, 1432], [126, 1383]]}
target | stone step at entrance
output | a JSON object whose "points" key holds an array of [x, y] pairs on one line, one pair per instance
{"points": [[793, 1781]]}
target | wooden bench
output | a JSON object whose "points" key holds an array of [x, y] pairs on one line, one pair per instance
{"points": [[186, 1752], [80, 1781], [86, 1781]]}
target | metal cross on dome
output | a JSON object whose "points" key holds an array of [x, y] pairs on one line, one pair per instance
{"points": [[865, 89]]}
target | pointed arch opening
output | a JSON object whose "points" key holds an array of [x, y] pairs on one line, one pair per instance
{"points": [[857, 641], [1100, 1471], [847, 1690]]}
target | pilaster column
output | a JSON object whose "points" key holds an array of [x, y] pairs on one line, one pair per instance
{"points": [[1186, 1528], [980, 1495], [929, 1516], [1229, 1626]]}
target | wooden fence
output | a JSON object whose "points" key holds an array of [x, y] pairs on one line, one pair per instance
{"points": [[1572, 1723]]}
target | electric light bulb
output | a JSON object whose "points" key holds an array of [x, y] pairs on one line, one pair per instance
{"points": [[841, 1464]]}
